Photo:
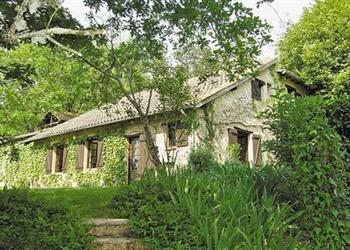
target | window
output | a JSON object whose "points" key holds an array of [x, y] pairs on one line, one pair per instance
{"points": [[256, 89], [56, 159], [89, 155], [292, 90], [242, 140], [177, 135], [92, 154], [59, 150]]}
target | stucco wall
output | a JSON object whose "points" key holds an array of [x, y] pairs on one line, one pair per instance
{"points": [[237, 109]]}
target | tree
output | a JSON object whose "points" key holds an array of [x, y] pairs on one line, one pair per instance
{"points": [[38, 79], [233, 33], [306, 146], [35, 80], [318, 48]]}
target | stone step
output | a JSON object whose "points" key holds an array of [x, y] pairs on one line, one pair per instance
{"points": [[119, 244], [109, 227]]}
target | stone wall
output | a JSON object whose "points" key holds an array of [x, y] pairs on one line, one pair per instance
{"points": [[237, 109]]}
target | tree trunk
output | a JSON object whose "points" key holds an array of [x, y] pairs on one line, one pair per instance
{"points": [[151, 146]]}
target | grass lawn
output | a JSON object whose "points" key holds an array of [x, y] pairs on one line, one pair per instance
{"points": [[88, 202]]}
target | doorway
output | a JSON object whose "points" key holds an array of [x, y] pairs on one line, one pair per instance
{"points": [[242, 140], [240, 137], [134, 158]]}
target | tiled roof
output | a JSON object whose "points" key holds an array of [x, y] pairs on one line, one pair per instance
{"points": [[123, 110]]}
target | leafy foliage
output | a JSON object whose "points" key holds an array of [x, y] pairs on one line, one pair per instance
{"points": [[306, 144], [216, 209], [317, 48], [231, 28], [31, 224], [35, 80]]}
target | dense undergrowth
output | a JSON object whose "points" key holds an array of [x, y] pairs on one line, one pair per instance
{"points": [[26, 223], [226, 207], [311, 150]]}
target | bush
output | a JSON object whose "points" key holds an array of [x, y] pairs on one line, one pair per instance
{"points": [[201, 158], [32, 224], [156, 217], [305, 144], [217, 209]]}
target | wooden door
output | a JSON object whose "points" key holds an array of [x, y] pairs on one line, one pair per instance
{"points": [[134, 162]]}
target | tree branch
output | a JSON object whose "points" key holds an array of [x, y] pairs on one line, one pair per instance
{"points": [[58, 31], [117, 79], [12, 33]]}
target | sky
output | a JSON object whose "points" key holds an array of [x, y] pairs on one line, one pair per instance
{"points": [[279, 14]]}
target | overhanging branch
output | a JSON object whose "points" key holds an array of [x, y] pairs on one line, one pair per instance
{"points": [[58, 31]]}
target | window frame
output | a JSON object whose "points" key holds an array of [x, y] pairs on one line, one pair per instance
{"points": [[173, 128], [58, 163], [56, 159], [237, 136], [256, 89], [89, 164]]}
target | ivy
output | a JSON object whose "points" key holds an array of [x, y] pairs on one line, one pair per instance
{"points": [[209, 124], [28, 170]]}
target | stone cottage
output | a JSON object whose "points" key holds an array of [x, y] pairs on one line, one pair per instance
{"points": [[231, 106]]}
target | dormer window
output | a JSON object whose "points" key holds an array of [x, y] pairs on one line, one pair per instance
{"points": [[292, 90], [257, 89]]}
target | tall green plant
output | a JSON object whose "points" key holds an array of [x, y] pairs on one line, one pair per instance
{"points": [[306, 144], [232, 214], [201, 158]]}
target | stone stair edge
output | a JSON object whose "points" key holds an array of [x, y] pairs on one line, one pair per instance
{"points": [[106, 221], [112, 240]]}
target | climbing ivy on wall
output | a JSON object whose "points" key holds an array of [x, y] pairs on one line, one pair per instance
{"points": [[24, 166]]}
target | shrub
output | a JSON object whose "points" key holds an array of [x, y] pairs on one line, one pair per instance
{"points": [[201, 158], [32, 224], [306, 144], [234, 152], [156, 217], [215, 209]]}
